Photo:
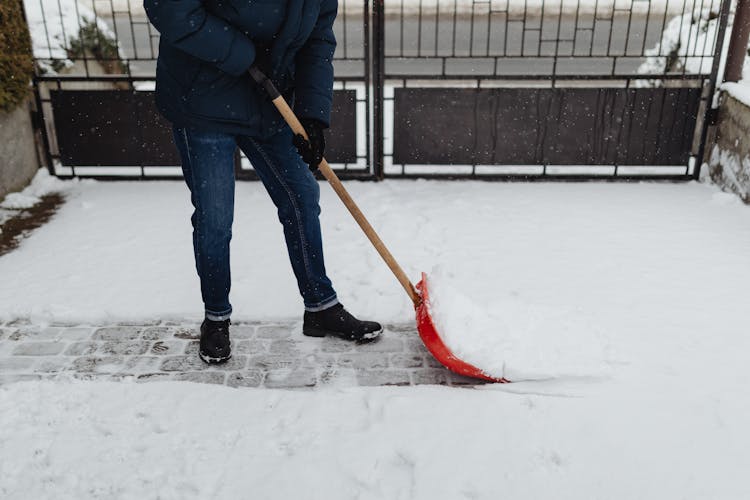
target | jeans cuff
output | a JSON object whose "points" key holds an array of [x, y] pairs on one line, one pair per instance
{"points": [[322, 306], [218, 317]]}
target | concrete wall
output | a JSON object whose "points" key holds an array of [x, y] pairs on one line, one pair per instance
{"points": [[729, 160], [18, 157]]}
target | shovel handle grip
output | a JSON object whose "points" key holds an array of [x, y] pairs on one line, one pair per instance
{"points": [[291, 119]]}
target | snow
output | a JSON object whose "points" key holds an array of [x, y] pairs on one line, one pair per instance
{"points": [[645, 285], [739, 90], [515, 339], [640, 438], [41, 185], [687, 44], [54, 25]]}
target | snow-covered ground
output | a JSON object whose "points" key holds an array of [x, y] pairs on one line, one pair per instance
{"points": [[656, 274]]}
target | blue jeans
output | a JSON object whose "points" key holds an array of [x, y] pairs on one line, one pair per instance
{"points": [[208, 166]]}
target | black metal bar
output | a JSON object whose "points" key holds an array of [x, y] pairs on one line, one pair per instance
{"points": [[42, 124], [721, 31], [378, 81], [547, 177]]}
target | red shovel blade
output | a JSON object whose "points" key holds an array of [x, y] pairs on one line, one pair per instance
{"points": [[437, 347]]}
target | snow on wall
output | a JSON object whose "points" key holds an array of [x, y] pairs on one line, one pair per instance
{"points": [[729, 163], [730, 171]]}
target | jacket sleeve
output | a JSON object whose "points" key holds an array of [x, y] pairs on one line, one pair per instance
{"points": [[314, 68], [188, 26]]}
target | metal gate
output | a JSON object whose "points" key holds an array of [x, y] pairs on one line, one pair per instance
{"points": [[542, 89], [566, 88]]}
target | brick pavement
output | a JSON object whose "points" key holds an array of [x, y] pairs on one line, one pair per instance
{"points": [[271, 355]]}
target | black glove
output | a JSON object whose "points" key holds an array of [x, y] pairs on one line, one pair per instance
{"points": [[263, 59], [313, 149]]}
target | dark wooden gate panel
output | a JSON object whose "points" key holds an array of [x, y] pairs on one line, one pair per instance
{"points": [[566, 126], [101, 128]]}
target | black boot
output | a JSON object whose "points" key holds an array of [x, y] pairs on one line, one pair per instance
{"points": [[338, 322], [215, 346]]}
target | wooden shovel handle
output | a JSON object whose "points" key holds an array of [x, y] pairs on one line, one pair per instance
{"points": [[335, 182]]}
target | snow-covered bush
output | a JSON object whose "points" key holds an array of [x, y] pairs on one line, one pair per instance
{"points": [[16, 62], [66, 30], [686, 46]]}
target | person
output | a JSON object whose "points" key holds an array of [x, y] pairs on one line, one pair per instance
{"points": [[204, 89]]}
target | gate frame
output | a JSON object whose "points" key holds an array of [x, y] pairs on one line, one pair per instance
{"points": [[375, 81]]}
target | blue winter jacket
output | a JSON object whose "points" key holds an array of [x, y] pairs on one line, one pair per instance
{"points": [[207, 47]]}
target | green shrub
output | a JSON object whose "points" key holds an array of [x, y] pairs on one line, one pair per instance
{"points": [[93, 42], [16, 58]]}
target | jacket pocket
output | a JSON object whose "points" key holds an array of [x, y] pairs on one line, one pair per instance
{"points": [[218, 96]]}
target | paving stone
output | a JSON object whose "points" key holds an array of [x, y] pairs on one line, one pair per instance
{"points": [[254, 346], [19, 322], [384, 344], [242, 331], [23, 333], [363, 360], [275, 331], [188, 334], [99, 364], [118, 333], [53, 365], [338, 375], [319, 360], [403, 328], [6, 332], [81, 348], [166, 347], [8, 364], [157, 333], [246, 378], [383, 377], [129, 348], [137, 365], [285, 379], [430, 376], [271, 356], [65, 324], [202, 377], [106, 377], [140, 323], [77, 333], [153, 377], [430, 361], [192, 347], [332, 344], [48, 333], [415, 345], [401, 360], [39, 348], [186, 331], [194, 363], [274, 362], [286, 347], [460, 380]]}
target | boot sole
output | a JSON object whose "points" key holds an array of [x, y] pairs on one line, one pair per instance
{"points": [[212, 360], [319, 333]]}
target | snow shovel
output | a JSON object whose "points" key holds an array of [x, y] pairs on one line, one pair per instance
{"points": [[419, 295]]}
